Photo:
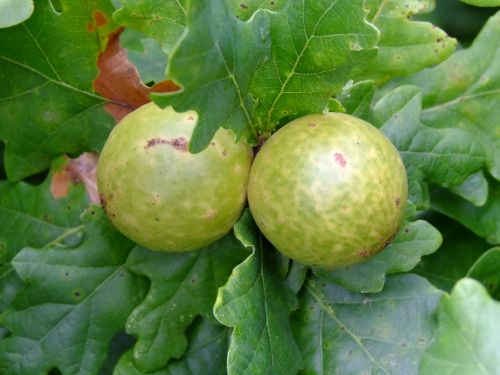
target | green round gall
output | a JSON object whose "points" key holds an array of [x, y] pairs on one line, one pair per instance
{"points": [[160, 195], [328, 190]]}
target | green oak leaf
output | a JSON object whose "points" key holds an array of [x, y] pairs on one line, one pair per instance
{"points": [[347, 333], [357, 99], [314, 53], [74, 302], [413, 241], [486, 269], [484, 220], [474, 189], [183, 286], [444, 156], [53, 108], [214, 63], [120, 343], [145, 53], [468, 333], [460, 250], [257, 303], [296, 276], [244, 9], [163, 20], [482, 3], [13, 12], [463, 92], [42, 220], [206, 354], [405, 46], [418, 189]]}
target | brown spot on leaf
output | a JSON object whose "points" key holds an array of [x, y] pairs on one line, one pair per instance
{"points": [[339, 159], [119, 81], [178, 143], [165, 86], [100, 18]]}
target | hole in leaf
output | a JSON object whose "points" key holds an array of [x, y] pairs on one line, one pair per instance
{"points": [[56, 6], [37, 179]]}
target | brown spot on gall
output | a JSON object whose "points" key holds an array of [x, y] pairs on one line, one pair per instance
{"points": [[312, 125], [339, 159], [224, 153], [364, 253], [190, 118], [104, 202], [397, 201], [178, 143]]}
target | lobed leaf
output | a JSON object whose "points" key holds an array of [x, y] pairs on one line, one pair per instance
{"points": [[484, 220], [463, 92], [42, 220], [340, 332], [444, 156], [485, 270], [413, 241], [257, 303], [219, 57], [405, 46], [63, 318], [145, 53], [459, 251], [468, 333], [163, 20], [316, 48], [183, 285], [474, 189], [357, 99], [206, 354], [55, 54]]}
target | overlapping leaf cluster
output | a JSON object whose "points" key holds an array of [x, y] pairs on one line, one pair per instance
{"points": [[79, 298]]}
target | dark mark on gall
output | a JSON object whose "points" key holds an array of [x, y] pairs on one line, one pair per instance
{"points": [[397, 201], [178, 143]]}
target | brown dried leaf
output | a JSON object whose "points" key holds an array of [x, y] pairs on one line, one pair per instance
{"points": [[120, 82], [80, 170]]}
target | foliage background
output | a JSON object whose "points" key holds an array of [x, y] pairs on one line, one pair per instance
{"points": [[76, 297]]}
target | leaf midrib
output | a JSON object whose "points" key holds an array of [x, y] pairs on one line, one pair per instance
{"points": [[37, 343], [297, 61]]}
